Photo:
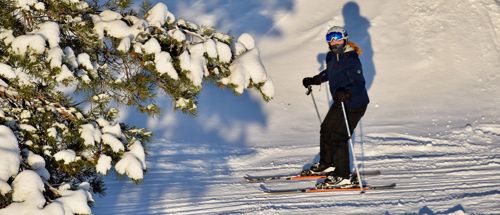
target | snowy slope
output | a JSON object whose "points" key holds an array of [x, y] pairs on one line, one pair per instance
{"points": [[433, 125]]}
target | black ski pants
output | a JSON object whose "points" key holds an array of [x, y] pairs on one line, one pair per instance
{"points": [[334, 147]]}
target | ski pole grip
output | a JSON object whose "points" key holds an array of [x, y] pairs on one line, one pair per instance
{"points": [[309, 90]]}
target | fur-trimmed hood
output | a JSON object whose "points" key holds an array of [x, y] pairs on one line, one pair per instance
{"points": [[351, 46]]}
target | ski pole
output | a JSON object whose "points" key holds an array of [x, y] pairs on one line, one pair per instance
{"points": [[352, 149], [309, 91]]}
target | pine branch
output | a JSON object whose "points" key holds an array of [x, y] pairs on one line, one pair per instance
{"points": [[110, 56]]}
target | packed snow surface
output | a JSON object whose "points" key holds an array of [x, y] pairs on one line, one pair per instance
{"points": [[432, 126]]}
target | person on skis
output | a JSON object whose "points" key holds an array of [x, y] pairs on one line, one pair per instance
{"points": [[347, 84]]}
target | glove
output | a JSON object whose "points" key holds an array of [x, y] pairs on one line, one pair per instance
{"points": [[308, 81], [342, 95]]}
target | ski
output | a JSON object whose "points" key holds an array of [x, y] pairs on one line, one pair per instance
{"points": [[324, 190], [297, 177]]}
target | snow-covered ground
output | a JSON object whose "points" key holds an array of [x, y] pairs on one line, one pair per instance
{"points": [[433, 125]]}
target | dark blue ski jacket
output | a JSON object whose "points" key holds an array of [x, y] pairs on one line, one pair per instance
{"points": [[345, 71]]}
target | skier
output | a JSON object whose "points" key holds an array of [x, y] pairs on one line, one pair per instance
{"points": [[347, 84]]}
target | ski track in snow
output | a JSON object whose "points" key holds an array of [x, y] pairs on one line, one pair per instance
{"points": [[464, 175]]}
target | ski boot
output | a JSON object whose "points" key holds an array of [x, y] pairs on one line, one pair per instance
{"points": [[318, 169], [333, 181]]}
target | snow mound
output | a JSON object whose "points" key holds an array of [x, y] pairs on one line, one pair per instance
{"points": [[75, 201], [131, 166], [163, 63], [112, 141], [90, 134], [10, 157], [50, 32], [152, 46], [23, 43], [28, 186], [67, 156], [159, 15], [103, 164], [6, 71]]}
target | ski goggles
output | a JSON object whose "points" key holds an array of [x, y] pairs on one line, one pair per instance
{"points": [[334, 36]]}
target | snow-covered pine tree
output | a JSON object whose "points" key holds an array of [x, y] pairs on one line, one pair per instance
{"points": [[53, 153]]}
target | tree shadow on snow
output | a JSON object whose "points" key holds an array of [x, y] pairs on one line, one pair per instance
{"points": [[188, 153], [235, 17]]}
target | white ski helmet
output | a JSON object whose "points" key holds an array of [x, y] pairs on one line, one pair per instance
{"points": [[336, 33]]}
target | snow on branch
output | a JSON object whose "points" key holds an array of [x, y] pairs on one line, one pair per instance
{"points": [[9, 158], [53, 153]]}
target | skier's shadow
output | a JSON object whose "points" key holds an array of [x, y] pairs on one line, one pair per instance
{"points": [[358, 26]]}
